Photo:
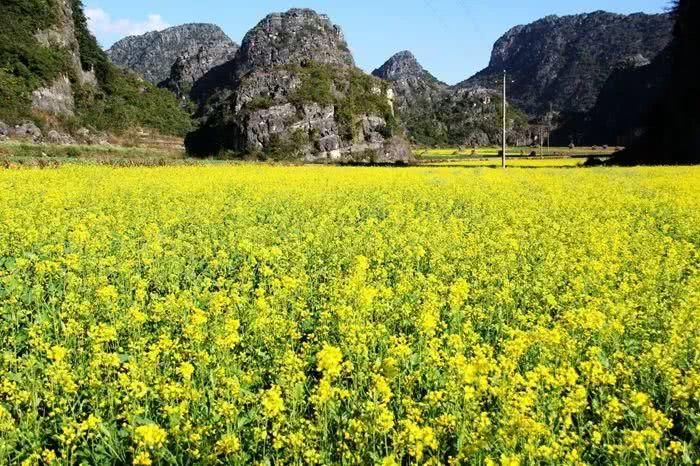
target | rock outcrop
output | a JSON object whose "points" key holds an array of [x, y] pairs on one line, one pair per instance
{"points": [[293, 92], [27, 130], [437, 114], [57, 97], [198, 48], [59, 138], [192, 66], [565, 61], [294, 37]]}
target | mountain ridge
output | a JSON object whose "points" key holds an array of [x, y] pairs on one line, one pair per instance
{"points": [[435, 113], [293, 92], [565, 60], [153, 54]]}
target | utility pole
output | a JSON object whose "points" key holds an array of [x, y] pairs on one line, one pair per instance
{"points": [[541, 140], [504, 119], [549, 127]]}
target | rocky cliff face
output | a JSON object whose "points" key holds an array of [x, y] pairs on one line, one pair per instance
{"points": [[191, 67], [152, 55], [565, 61], [437, 114], [293, 92], [295, 37], [57, 98]]}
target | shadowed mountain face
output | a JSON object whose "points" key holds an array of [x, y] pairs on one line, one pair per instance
{"points": [[293, 92], [672, 133], [437, 114], [566, 61], [192, 67], [195, 46], [625, 103]]}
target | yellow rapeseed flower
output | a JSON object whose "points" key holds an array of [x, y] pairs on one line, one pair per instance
{"points": [[272, 401], [150, 436], [329, 361]]}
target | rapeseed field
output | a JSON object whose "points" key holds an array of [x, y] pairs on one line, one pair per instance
{"points": [[260, 315]]}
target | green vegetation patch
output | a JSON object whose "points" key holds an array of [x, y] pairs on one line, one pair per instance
{"points": [[123, 100], [352, 92], [126, 101], [24, 64], [120, 101]]}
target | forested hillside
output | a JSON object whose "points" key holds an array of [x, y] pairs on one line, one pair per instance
{"points": [[53, 71]]}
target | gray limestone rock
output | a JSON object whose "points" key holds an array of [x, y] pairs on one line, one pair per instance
{"points": [[293, 92], [294, 37], [56, 99], [152, 55], [56, 137], [27, 130], [566, 60]]}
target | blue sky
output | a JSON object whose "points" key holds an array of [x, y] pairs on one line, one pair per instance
{"points": [[451, 38]]}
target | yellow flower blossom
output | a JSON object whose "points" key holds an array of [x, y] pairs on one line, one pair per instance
{"points": [[272, 402], [142, 458], [150, 436], [274, 314], [330, 361], [186, 370], [228, 445]]}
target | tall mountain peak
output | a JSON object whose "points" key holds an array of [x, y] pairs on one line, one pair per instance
{"points": [[293, 91], [153, 54], [402, 64], [294, 37], [566, 60], [437, 114]]}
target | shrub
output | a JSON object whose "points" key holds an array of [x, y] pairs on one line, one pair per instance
{"points": [[261, 102], [316, 85], [352, 92], [291, 147]]}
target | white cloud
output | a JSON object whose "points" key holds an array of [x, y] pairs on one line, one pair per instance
{"points": [[102, 24]]}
